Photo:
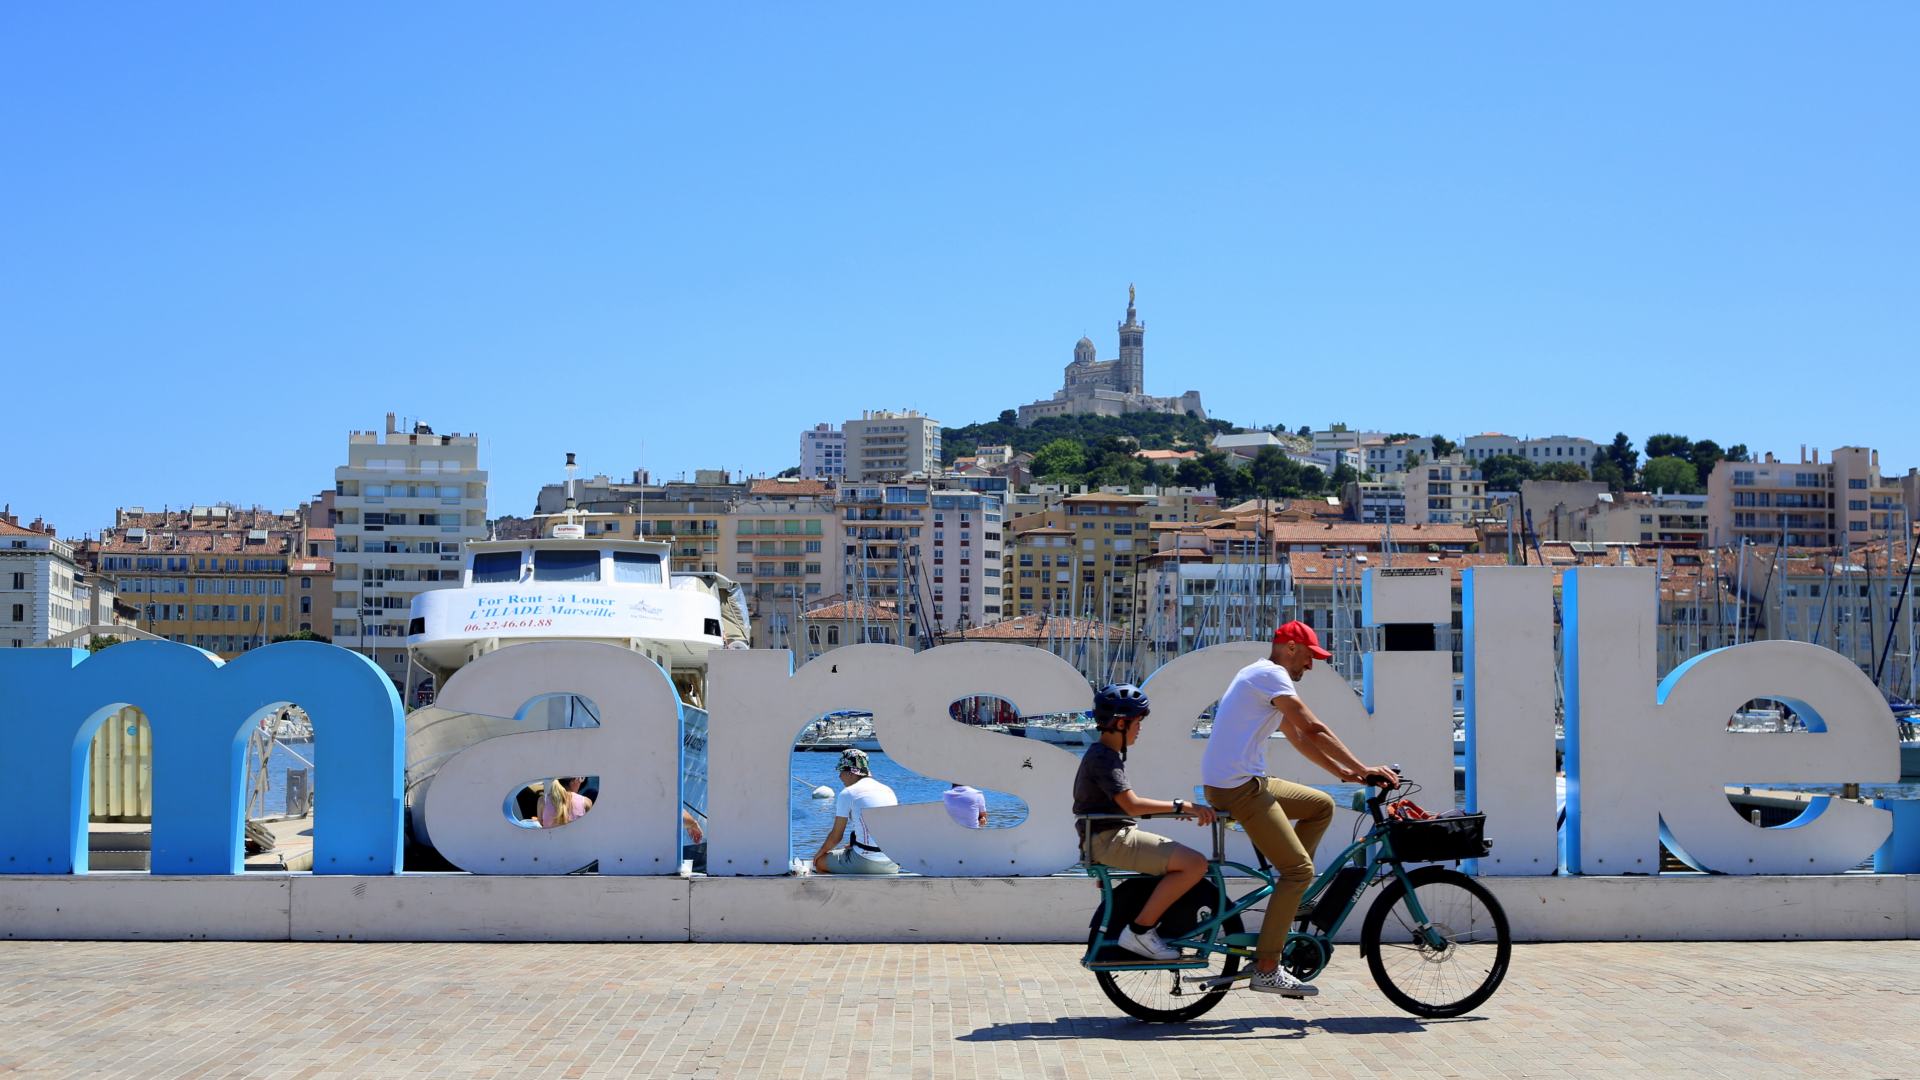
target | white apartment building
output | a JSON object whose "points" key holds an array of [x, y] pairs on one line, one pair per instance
{"points": [[1386, 460], [39, 594], [783, 546], [1377, 503], [1555, 449], [1337, 439], [883, 446], [1844, 501], [404, 503], [1488, 444], [823, 453], [1446, 491]]}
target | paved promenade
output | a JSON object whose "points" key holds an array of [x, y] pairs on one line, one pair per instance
{"points": [[223, 1010]]}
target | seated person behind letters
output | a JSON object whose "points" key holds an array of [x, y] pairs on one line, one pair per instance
{"points": [[1101, 787]]}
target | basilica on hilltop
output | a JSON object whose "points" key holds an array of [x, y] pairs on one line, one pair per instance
{"points": [[1110, 387]]}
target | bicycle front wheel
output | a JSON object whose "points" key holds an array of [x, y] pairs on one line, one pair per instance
{"points": [[1166, 997], [1455, 977]]}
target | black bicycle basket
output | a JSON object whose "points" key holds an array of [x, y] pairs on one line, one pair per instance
{"points": [[1441, 839]]}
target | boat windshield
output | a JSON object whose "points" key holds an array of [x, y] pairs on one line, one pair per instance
{"points": [[566, 565], [495, 567], [636, 567]]}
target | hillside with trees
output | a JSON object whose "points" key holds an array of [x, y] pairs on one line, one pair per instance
{"points": [[1151, 431]]}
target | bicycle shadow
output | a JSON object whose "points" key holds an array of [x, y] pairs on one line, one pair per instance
{"points": [[1127, 1029]]}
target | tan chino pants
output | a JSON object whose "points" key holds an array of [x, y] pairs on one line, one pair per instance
{"points": [[1263, 807]]}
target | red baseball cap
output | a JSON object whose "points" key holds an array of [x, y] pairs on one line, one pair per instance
{"points": [[1302, 633]]}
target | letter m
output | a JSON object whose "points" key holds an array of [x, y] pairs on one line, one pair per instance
{"points": [[201, 712]]}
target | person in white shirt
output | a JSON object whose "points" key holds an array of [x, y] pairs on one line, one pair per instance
{"points": [[1260, 700], [860, 792], [966, 805]]}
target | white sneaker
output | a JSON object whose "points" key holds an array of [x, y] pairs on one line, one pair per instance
{"points": [[1278, 981], [1148, 944]]}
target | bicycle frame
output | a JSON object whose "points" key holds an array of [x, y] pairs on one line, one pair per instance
{"points": [[1206, 938]]}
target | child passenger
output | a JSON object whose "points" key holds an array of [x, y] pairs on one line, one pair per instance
{"points": [[1101, 787]]}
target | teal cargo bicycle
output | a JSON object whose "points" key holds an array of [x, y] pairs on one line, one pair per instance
{"points": [[1435, 939]]}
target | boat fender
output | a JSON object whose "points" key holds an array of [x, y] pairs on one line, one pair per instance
{"points": [[823, 792]]}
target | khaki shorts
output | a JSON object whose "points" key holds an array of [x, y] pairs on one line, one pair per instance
{"points": [[1128, 848]]}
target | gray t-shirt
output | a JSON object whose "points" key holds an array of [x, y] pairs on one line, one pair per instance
{"points": [[1102, 775]]}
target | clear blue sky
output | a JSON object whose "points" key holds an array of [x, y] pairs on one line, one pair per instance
{"points": [[233, 232]]}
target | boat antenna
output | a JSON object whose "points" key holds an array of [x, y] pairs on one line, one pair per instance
{"points": [[570, 469]]}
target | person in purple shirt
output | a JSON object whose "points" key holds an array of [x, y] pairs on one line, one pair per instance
{"points": [[966, 805]]}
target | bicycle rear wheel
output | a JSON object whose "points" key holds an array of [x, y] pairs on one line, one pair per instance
{"points": [[1165, 997], [1449, 980]]}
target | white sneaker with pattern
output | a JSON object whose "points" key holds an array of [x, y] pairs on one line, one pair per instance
{"points": [[1278, 981]]}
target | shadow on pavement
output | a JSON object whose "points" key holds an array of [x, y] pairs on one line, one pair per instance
{"points": [[1127, 1029]]}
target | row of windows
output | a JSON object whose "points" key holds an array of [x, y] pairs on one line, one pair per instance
{"points": [[228, 642], [789, 569], [176, 563], [566, 565], [786, 547], [218, 612], [376, 519]]}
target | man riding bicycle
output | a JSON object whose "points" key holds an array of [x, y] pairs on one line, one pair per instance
{"points": [[1233, 771], [1101, 787]]}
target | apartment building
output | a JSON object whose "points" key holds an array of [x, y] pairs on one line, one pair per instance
{"points": [[1640, 517], [1477, 448], [1386, 460], [689, 515], [782, 540], [885, 446], [823, 453], [404, 503], [1080, 558], [1843, 501], [1376, 502], [1557, 449], [1447, 491], [39, 577], [218, 578]]}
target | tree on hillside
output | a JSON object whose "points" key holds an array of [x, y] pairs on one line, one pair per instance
{"points": [[1442, 446], [1623, 456], [1305, 432], [1672, 474], [784, 473], [1061, 458], [1565, 471], [1008, 416], [1605, 470], [1668, 446], [1343, 474], [1504, 472]]}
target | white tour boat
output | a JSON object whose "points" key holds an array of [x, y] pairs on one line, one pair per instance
{"points": [[567, 586]]}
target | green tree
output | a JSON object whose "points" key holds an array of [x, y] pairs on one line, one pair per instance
{"points": [[1566, 471], [1305, 432], [1274, 474], [1668, 446], [1343, 474], [1008, 416], [1604, 469], [1504, 472], [1442, 446], [1672, 474], [1737, 452], [103, 641], [784, 473], [1623, 455], [1060, 458], [301, 635]]}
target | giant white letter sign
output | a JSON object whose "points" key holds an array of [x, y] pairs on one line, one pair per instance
{"points": [[1508, 612], [634, 826], [1638, 758], [909, 696]]}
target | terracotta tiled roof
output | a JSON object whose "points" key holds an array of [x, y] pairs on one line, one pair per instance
{"points": [[790, 486], [10, 529], [311, 566], [228, 541], [1026, 628], [877, 610], [324, 532], [1167, 455]]}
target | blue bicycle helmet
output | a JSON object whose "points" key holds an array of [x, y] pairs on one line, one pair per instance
{"points": [[1119, 701]]}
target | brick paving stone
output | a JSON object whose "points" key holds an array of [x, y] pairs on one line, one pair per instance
{"points": [[301, 1011]]}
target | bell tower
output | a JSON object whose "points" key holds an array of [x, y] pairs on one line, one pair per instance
{"points": [[1131, 371]]}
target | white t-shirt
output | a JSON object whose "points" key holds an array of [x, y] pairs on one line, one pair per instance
{"points": [[854, 798], [1237, 750]]}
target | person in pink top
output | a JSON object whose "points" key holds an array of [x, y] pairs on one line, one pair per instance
{"points": [[561, 801]]}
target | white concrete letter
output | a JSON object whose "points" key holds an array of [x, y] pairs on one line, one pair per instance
{"points": [[1508, 616], [634, 826]]}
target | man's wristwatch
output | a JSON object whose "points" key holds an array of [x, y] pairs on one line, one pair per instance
{"points": [[1177, 804]]}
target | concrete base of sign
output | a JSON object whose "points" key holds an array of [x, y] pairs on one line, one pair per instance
{"points": [[461, 907]]}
